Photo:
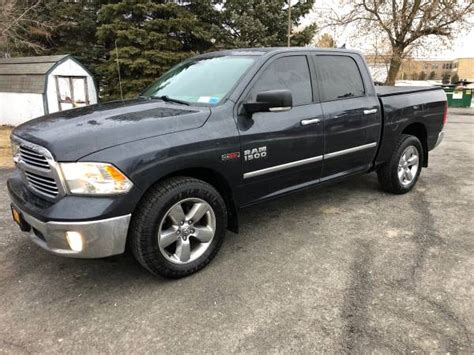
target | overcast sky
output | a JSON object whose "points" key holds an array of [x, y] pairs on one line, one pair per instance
{"points": [[463, 44]]}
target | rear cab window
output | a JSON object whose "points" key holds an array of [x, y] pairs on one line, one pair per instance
{"points": [[339, 77]]}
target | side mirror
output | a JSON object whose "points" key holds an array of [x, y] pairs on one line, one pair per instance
{"points": [[270, 101]]}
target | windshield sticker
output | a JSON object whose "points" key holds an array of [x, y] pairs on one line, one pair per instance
{"points": [[204, 99], [208, 99]]}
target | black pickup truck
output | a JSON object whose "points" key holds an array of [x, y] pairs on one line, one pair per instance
{"points": [[166, 173]]}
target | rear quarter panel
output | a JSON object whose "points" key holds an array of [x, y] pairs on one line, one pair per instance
{"points": [[402, 110]]}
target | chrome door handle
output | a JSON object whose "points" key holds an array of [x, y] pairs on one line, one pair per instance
{"points": [[369, 112], [310, 121]]}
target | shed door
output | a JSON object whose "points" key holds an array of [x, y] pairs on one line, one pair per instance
{"points": [[72, 92]]}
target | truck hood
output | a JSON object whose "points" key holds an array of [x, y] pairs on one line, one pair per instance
{"points": [[72, 134]]}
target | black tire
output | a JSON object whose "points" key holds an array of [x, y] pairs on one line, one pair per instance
{"points": [[388, 172], [152, 210]]}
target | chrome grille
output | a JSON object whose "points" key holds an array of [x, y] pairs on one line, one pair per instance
{"points": [[39, 170], [33, 158], [43, 184]]}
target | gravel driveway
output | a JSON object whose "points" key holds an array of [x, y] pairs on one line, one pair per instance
{"points": [[345, 268]]}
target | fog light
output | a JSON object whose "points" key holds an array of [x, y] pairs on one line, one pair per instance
{"points": [[75, 240]]}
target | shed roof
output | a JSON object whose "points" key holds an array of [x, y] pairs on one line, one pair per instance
{"points": [[26, 74]]}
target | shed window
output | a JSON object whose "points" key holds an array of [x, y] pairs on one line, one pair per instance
{"points": [[72, 92]]}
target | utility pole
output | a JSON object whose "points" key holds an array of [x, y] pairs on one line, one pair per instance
{"points": [[289, 23], [289, 19]]}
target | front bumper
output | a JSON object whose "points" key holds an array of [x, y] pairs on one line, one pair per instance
{"points": [[100, 238]]}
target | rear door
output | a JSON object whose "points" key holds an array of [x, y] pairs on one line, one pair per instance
{"points": [[352, 121], [281, 150]]}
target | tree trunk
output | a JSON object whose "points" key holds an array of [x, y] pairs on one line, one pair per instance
{"points": [[395, 63]]}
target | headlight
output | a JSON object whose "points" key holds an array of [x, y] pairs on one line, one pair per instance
{"points": [[15, 151], [94, 179]]}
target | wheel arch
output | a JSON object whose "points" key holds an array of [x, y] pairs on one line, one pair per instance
{"points": [[215, 179], [419, 130]]}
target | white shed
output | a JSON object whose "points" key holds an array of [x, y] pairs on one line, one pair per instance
{"points": [[35, 86]]}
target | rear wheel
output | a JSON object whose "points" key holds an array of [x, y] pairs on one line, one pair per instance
{"points": [[179, 227], [401, 172]]}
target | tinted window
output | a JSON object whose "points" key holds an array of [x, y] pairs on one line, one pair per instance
{"points": [[291, 73], [339, 77]]}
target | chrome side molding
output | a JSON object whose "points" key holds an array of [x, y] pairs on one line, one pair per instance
{"points": [[308, 160], [350, 150], [282, 166]]}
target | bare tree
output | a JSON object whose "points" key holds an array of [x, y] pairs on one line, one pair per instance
{"points": [[407, 23], [18, 26]]}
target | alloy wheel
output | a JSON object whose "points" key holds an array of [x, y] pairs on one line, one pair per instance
{"points": [[408, 165], [187, 230]]}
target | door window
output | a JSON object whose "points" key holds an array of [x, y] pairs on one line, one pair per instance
{"points": [[290, 73], [72, 92], [339, 77]]}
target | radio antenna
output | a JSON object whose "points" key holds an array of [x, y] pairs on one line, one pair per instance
{"points": [[118, 69]]}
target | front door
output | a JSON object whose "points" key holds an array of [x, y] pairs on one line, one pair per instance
{"points": [[352, 121], [281, 151]]}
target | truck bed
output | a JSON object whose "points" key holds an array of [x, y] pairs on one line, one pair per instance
{"points": [[383, 91], [419, 105]]}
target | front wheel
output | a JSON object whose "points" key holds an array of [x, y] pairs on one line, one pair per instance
{"points": [[178, 227], [401, 172]]}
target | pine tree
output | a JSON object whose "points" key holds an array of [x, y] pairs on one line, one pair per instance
{"points": [[76, 31], [147, 37], [262, 23], [73, 26]]}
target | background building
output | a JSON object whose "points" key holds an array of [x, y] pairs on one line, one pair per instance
{"points": [[436, 69], [423, 69]]}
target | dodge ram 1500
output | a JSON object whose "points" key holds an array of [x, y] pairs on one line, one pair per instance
{"points": [[165, 174]]}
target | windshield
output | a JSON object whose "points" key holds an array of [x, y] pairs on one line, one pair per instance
{"points": [[205, 80]]}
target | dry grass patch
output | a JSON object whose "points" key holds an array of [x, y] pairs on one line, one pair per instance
{"points": [[5, 150]]}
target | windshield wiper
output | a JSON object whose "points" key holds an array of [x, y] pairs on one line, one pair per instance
{"points": [[170, 99]]}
